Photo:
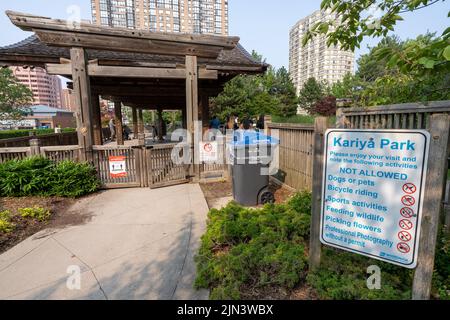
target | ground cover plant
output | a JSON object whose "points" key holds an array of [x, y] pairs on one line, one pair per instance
{"points": [[263, 253]]}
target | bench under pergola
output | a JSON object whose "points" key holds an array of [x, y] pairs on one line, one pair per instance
{"points": [[141, 69]]}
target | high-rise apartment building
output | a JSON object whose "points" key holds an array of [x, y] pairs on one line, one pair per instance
{"points": [[186, 16], [316, 59], [46, 88]]}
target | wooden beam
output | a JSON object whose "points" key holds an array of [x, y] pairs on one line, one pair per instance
{"points": [[81, 87], [132, 72], [29, 22], [125, 44]]}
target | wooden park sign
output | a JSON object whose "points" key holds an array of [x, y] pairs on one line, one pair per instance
{"points": [[378, 193]]}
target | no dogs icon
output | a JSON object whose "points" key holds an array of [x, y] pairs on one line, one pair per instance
{"points": [[409, 188]]}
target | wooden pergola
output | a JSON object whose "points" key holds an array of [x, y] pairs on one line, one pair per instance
{"points": [[140, 69]]}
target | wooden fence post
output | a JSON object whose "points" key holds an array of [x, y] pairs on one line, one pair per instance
{"points": [[439, 130], [35, 147], [315, 248], [340, 119]]}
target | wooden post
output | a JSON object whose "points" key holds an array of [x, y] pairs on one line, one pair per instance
{"points": [[192, 108], [141, 127], [135, 122], [97, 120], [439, 130], [204, 110], [119, 125], [81, 89], [35, 147], [160, 125], [315, 248], [340, 119]]}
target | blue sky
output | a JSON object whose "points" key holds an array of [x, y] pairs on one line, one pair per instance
{"points": [[263, 25]]}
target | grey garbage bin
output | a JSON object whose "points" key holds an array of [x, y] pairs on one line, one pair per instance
{"points": [[250, 157]]}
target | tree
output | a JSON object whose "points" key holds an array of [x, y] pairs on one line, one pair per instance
{"points": [[372, 18], [14, 96], [312, 92], [325, 107], [252, 95], [371, 66], [381, 80]]}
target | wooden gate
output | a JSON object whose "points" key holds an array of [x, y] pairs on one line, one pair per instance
{"points": [[101, 158], [160, 169]]}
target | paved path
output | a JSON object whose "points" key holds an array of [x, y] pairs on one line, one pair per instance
{"points": [[139, 244]]}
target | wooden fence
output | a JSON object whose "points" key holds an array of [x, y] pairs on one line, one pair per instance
{"points": [[295, 154], [401, 116], [55, 153], [55, 139]]}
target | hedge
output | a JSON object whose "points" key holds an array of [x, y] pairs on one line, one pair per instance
{"points": [[9, 134]]}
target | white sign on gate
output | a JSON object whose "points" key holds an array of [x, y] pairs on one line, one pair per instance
{"points": [[373, 192], [209, 152]]}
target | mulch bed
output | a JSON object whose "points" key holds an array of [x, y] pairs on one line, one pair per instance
{"points": [[25, 228], [217, 190]]}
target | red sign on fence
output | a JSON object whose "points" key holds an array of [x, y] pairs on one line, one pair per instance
{"points": [[118, 166]]}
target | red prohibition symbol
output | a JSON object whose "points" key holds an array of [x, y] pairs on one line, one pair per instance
{"points": [[403, 247], [208, 147], [408, 201], [409, 188], [404, 236], [407, 212], [405, 224]]}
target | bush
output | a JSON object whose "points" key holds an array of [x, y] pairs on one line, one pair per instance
{"points": [[71, 179], [9, 134], [254, 249], [343, 276], [37, 176], [36, 212], [6, 225]]}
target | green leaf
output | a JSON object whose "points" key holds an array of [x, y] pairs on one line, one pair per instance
{"points": [[427, 62], [446, 53]]}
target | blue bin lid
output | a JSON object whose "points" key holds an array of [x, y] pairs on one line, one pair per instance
{"points": [[249, 137]]}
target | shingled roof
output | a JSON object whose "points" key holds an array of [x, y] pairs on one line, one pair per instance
{"points": [[32, 51]]}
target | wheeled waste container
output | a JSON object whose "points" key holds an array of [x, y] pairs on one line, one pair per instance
{"points": [[251, 153]]}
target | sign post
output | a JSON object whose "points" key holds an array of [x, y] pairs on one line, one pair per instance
{"points": [[373, 192]]}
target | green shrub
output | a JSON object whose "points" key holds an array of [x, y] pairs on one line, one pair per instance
{"points": [[31, 176], [37, 176], [441, 276], [254, 249], [9, 134], [6, 225], [36, 212], [343, 276], [72, 179]]}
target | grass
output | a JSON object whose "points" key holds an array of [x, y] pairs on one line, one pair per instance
{"points": [[299, 119]]}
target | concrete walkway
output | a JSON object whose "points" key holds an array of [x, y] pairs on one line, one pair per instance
{"points": [[139, 244]]}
